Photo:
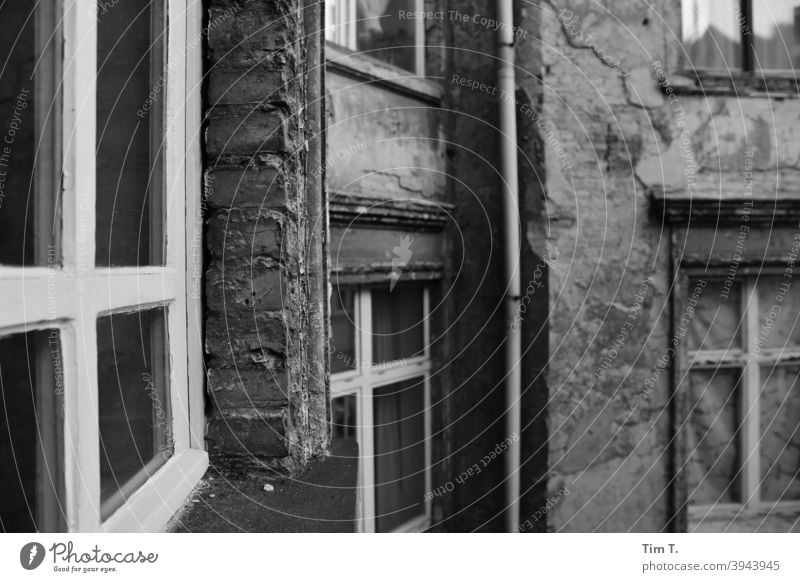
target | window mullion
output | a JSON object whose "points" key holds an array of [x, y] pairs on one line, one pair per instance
{"points": [[365, 331], [748, 50], [79, 123], [81, 461], [365, 407], [350, 27], [750, 404], [419, 39]]}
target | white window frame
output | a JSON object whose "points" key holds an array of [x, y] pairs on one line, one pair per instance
{"points": [[749, 360], [340, 28], [361, 383], [71, 297]]}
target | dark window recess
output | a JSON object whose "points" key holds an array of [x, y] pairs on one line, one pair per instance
{"points": [[397, 323], [381, 34], [343, 330], [714, 467], [31, 432], [28, 219], [398, 415], [780, 441], [134, 406], [131, 88], [343, 417]]}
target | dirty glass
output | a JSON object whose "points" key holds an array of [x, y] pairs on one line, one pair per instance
{"points": [[31, 432], [776, 33], [712, 323], [343, 417], [780, 429], [135, 414], [713, 436], [385, 32], [343, 330], [131, 89], [399, 431], [29, 105], [397, 323], [712, 34], [779, 314]]}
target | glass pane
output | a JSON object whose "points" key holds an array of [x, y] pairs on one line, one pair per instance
{"points": [[338, 21], [713, 470], [779, 305], [712, 34], [398, 411], [343, 330], [397, 324], [780, 427], [31, 442], [343, 417], [776, 24], [383, 31], [135, 417], [28, 189], [716, 322], [130, 94]]}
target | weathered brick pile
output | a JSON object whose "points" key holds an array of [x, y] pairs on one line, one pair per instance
{"points": [[264, 299]]}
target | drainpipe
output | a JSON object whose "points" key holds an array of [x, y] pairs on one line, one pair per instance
{"points": [[511, 244]]}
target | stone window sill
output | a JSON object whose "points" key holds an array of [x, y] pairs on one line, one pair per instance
{"points": [[774, 85], [363, 68]]}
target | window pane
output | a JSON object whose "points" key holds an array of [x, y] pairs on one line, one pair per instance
{"points": [[398, 411], [130, 92], [383, 34], [713, 470], [339, 18], [776, 24], [397, 324], [31, 442], [27, 110], [780, 427], [715, 323], [779, 304], [343, 329], [712, 34], [135, 419], [343, 417]]}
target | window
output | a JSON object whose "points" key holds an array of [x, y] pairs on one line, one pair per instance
{"points": [[99, 425], [384, 29], [741, 35], [743, 388], [380, 365]]}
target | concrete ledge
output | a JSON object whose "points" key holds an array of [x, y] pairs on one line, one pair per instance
{"points": [[321, 500]]}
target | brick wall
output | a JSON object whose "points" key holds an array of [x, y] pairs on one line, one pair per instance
{"points": [[264, 290]]}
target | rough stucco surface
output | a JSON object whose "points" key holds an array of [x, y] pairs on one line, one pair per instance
{"points": [[267, 397], [605, 140], [607, 437]]}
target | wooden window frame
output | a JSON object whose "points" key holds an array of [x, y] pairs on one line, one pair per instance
{"points": [[749, 360], [340, 29], [72, 295], [361, 383]]}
